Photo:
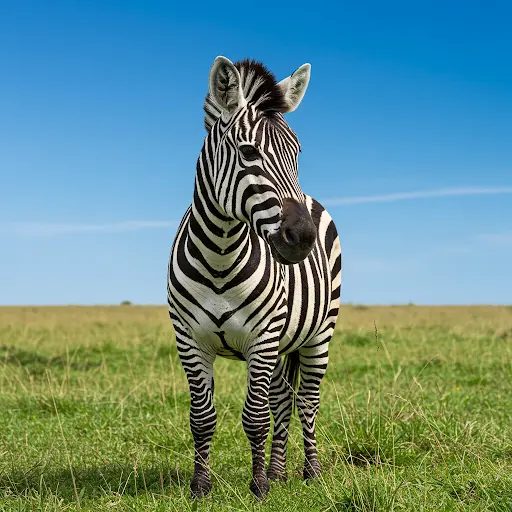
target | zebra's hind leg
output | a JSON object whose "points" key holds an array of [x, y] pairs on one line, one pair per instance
{"points": [[281, 407], [313, 365], [203, 417], [256, 414]]}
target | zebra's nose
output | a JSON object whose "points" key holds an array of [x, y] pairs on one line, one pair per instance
{"points": [[290, 237], [298, 230], [297, 234]]}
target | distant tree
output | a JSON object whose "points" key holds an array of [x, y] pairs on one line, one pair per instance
{"points": [[126, 303]]}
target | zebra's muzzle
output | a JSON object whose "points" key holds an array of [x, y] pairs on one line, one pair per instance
{"points": [[296, 236]]}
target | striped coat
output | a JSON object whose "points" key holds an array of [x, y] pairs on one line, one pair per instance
{"points": [[255, 270]]}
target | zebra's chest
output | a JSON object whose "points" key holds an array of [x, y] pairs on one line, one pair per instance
{"points": [[234, 316]]}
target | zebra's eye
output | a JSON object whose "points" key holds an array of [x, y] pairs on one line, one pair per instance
{"points": [[249, 152]]}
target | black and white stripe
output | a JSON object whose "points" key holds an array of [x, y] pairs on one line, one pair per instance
{"points": [[255, 270]]}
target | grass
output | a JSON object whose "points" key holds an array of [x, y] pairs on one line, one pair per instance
{"points": [[415, 415]]}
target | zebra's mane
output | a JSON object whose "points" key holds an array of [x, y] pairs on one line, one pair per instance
{"points": [[260, 88]]}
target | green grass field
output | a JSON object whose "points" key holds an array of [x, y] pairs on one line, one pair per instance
{"points": [[416, 414]]}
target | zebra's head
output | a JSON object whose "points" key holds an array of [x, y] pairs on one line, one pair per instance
{"points": [[255, 154]]}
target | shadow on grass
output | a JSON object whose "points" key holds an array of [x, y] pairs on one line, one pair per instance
{"points": [[360, 458], [94, 482]]}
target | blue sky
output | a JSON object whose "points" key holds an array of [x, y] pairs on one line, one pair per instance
{"points": [[406, 132]]}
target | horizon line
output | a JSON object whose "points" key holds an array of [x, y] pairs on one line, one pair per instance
{"points": [[351, 304]]}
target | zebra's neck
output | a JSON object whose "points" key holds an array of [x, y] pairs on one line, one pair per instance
{"points": [[219, 245]]}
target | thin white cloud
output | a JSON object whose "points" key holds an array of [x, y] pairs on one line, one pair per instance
{"points": [[422, 194], [51, 229]]}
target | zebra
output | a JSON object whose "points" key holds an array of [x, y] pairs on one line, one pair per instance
{"points": [[254, 271]]}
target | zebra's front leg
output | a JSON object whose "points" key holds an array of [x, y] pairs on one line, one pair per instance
{"points": [[198, 367], [281, 403], [313, 365], [256, 414]]}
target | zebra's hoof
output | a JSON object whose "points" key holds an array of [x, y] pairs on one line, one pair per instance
{"points": [[276, 475], [200, 487], [260, 487], [312, 470]]}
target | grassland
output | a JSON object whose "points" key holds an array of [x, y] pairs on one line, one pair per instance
{"points": [[416, 414]]}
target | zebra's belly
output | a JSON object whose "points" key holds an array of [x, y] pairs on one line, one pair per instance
{"points": [[308, 289], [297, 333]]}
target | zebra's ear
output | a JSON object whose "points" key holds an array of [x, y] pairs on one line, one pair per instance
{"points": [[295, 86], [225, 85]]}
